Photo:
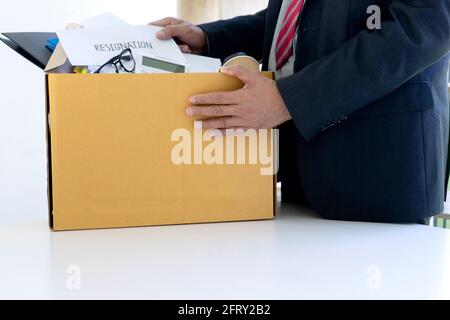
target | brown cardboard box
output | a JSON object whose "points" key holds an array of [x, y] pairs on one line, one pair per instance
{"points": [[110, 163]]}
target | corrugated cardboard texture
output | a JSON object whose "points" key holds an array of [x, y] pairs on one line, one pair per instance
{"points": [[111, 161]]}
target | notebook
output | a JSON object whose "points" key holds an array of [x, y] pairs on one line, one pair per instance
{"points": [[30, 45]]}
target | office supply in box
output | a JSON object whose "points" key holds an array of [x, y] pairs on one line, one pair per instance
{"points": [[30, 45], [51, 44], [244, 60], [149, 63], [201, 64]]}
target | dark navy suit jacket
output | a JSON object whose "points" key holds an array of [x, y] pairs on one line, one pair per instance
{"points": [[369, 135]]}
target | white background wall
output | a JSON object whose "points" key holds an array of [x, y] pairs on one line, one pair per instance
{"points": [[231, 8], [22, 127]]}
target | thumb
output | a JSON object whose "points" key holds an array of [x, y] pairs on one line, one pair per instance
{"points": [[240, 72]]}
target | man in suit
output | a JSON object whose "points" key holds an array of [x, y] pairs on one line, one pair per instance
{"points": [[362, 111]]}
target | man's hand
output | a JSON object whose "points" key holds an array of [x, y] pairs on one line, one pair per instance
{"points": [[190, 38], [258, 105]]}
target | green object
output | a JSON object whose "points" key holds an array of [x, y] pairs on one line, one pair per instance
{"points": [[163, 65], [442, 221]]}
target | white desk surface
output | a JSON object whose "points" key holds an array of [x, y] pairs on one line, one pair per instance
{"points": [[296, 256]]}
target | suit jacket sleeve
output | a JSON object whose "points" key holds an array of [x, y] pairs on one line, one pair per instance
{"points": [[369, 66], [240, 34]]}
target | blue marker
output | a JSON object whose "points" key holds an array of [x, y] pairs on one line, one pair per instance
{"points": [[51, 44]]}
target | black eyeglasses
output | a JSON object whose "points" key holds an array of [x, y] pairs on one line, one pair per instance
{"points": [[124, 61]]}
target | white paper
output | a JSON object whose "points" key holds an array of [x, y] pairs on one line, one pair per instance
{"points": [[106, 20], [92, 47], [201, 64]]}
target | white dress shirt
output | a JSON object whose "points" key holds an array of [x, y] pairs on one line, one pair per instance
{"points": [[288, 68]]}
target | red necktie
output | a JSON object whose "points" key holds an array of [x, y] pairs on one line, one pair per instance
{"points": [[284, 46]]}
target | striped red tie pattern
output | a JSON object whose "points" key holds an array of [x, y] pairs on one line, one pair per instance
{"points": [[284, 46]]}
